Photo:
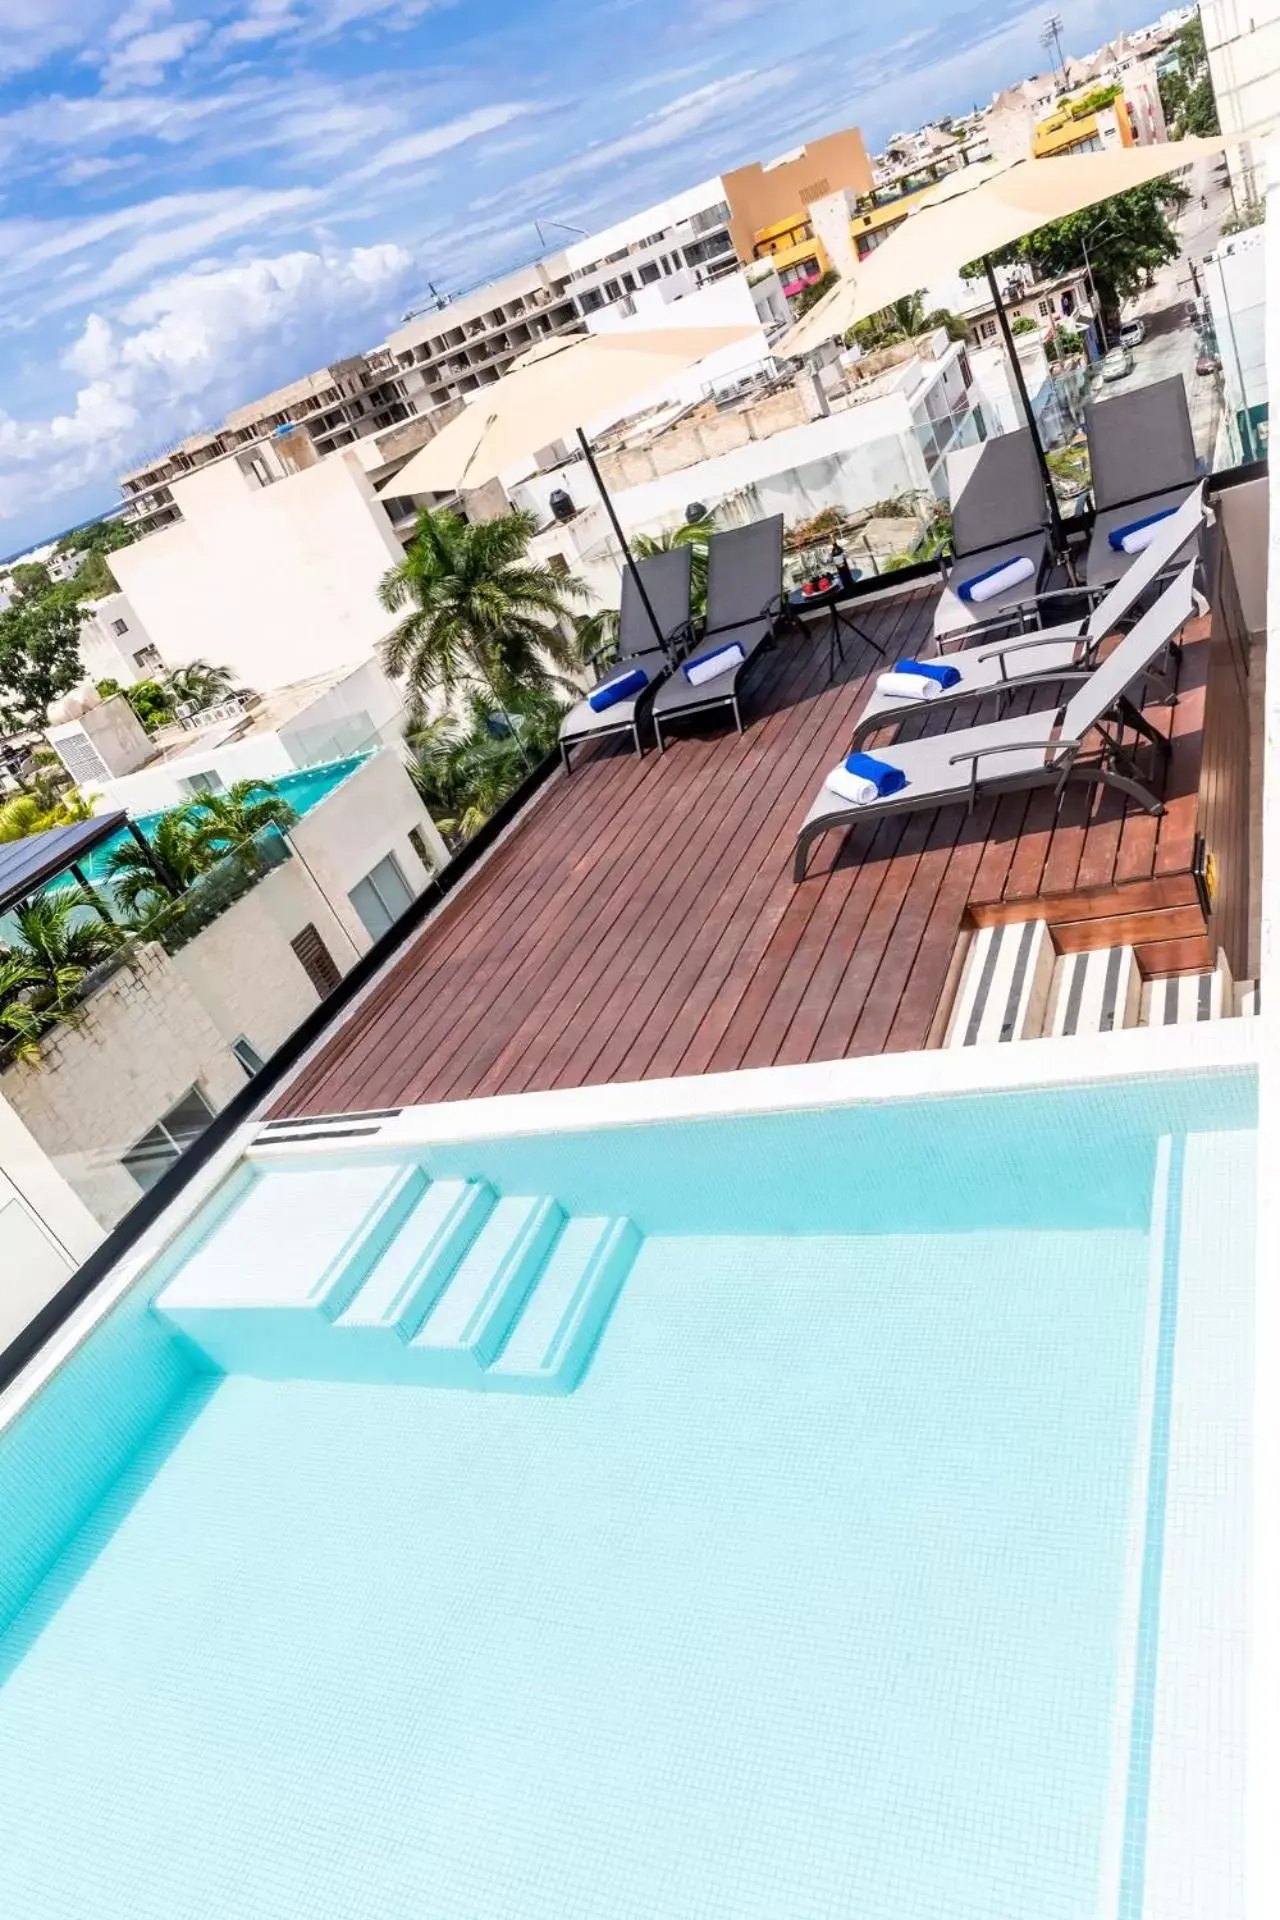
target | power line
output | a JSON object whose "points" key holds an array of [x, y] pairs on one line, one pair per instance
{"points": [[1051, 36]]}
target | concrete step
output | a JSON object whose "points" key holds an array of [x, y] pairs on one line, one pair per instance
{"points": [[258, 1295], [418, 1265], [471, 1321], [1095, 992], [565, 1313], [1004, 988]]}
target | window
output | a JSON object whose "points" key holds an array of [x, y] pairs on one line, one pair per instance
{"points": [[649, 272], [146, 657], [248, 1056], [119, 626], [316, 960], [195, 784], [152, 1156], [381, 897], [1045, 307]]}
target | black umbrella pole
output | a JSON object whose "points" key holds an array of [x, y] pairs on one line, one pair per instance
{"points": [[607, 503], [1059, 532]]}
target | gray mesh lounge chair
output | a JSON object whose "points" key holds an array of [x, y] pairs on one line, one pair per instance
{"points": [[1053, 654], [1028, 750], [668, 581], [998, 512], [1142, 460], [744, 600]]}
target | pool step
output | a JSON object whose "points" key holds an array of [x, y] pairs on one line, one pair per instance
{"points": [[380, 1274], [563, 1317]]}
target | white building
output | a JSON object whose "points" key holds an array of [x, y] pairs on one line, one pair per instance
{"points": [[272, 573], [1242, 38], [114, 644], [1235, 287]]}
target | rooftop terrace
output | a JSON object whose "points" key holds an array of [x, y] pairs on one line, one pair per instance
{"points": [[640, 920]]}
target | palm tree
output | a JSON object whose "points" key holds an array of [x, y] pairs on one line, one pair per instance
{"points": [[230, 822], [134, 880], [36, 812], [476, 609], [60, 939], [464, 772], [200, 684], [695, 534]]}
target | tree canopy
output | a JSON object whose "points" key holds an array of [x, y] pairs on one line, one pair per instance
{"points": [[39, 653], [1128, 238]]}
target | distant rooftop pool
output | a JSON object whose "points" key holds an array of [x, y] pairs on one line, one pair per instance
{"points": [[303, 790], [839, 1512]]}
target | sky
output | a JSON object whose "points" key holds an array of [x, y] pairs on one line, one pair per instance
{"points": [[203, 199]]}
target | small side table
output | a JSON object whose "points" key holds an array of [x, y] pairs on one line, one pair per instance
{"points": [[831, 602]]}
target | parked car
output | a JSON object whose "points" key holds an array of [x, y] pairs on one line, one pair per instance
{"points": [[1132, 333], [1206, 363], [1117, 364]]}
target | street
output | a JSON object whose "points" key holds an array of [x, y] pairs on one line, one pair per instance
{"points": [[1172, 342]]}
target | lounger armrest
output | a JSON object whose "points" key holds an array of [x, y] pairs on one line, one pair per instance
{"points": [[1006, 746], [1022, 643]]}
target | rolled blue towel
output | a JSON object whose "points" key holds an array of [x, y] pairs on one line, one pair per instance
{"points": [[1006, 573], [609, 692], [883, 777], [939, 670], [1135, 536]]}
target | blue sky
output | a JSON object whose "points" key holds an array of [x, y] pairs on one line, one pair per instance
{"points": [[201, 199]]}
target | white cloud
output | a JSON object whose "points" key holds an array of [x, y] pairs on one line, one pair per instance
{"points": [[185, 351], [144, 60], [414, 148]]}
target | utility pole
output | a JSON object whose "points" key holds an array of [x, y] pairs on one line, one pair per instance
{"points": [[1051, 36]]}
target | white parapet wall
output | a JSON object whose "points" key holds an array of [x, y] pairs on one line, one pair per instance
{"points": [[363, 822]]}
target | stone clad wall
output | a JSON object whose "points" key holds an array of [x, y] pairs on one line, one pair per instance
{"points": [[140, 1042]]}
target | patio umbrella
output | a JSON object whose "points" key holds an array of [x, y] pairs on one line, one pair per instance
{"points": [[559, 387], [973, 214]]}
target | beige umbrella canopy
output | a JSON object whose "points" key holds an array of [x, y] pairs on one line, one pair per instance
{"points": [[978, 211], [559, 387]]}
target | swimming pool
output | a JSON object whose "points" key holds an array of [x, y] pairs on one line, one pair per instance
{"points": [[303, 790], [879, 1550]]}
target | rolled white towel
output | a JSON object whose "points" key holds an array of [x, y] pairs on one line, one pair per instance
{"points": [[848, 786], [709, 666], [985, 586], [908, 686], [1140, 539]]}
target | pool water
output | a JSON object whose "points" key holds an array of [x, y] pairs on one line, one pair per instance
{"points": [[303, 790], [864, 1571]]}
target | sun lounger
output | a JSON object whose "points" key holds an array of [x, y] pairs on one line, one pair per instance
{"points": [[1066, 651], [667, 580], [999, 515], [744, 600], [1142, 461], [1028, 750]]}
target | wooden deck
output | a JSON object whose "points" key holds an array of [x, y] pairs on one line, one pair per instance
{"points": [[642, 921]]}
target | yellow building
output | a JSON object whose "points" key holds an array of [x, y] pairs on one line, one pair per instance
{"points": [[1086, 125], [798, 256], [869, 229]]}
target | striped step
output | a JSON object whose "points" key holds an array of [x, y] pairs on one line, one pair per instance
{"points": [[421, 1260], [261, 1289], [564, 1315], [1186, 998], [1004, 988], [471, 1321], [1095, 992]]}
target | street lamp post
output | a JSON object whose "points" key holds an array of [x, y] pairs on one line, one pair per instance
{"points": [[1093, 288]]}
